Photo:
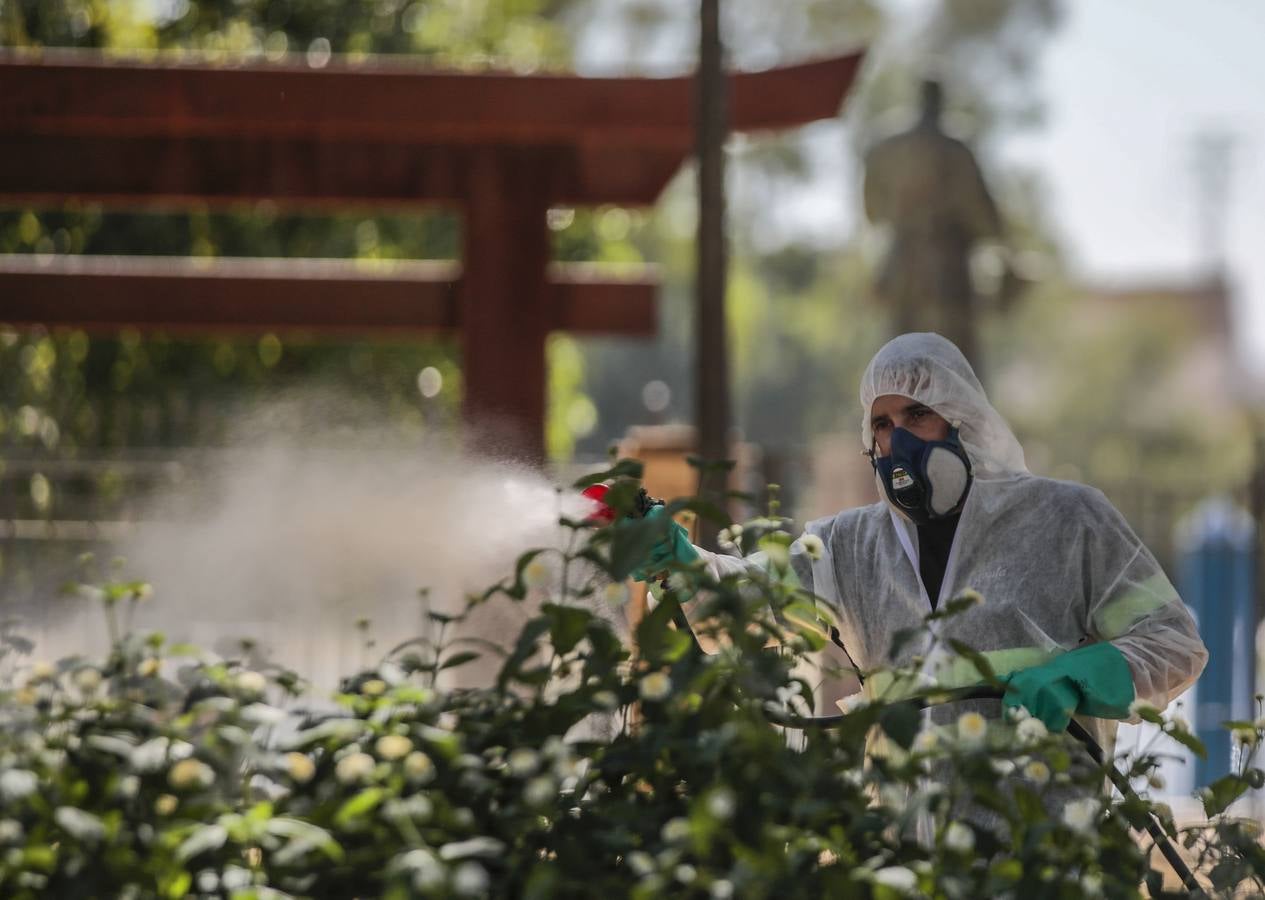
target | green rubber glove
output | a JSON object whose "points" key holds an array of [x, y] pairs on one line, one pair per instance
{"points": [[1094, 680], [676, 547]]}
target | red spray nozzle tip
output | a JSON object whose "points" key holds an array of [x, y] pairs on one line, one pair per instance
{"points": [[603, 515]]}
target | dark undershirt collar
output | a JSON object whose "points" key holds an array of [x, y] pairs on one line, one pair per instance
{"points": [[935, 540]]}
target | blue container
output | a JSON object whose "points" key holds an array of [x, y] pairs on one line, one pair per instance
{"points": [[1215, 574]]}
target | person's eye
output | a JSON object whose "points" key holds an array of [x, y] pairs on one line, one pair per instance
{"points": [[918, 415]]}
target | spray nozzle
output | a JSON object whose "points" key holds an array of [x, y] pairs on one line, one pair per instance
{"points": [[606, 511]]}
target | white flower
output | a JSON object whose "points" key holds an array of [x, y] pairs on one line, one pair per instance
{"points": [[235, 878], [299, 767], [641, 862], [721, 803], [87, 679], [263, 714], [615, 593], [428, 871], [1091, 884], [1246, 736], [655, 686], [354, 767], [470, 879], [536, 575], [82, 826], [393, 746], [41, 671], [1179, 722], [1018, 713], [540, 790], [926, 742], [150, 756], [972, 728], [208, 881], [165, 804], [148, 667], [128, 787], [250, 683], [418, 767], [722, 889], [1082, 815], [11, 831], [16, 784], [812, 546], [685, 873], [1031, 731], [606, 699], [190, 774], [1037, 772], [523, 761], [974, 596], [1140, 706], [959, 838], [1002, 767], [898, 878], [676, 830]]}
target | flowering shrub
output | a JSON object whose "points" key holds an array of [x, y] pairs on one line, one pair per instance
{"points": [[580, 771]]}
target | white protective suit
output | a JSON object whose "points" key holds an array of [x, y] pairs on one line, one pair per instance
{"points": [[1056, 564]]}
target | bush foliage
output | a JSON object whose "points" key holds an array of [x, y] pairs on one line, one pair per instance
{"points": [[581, 769]]}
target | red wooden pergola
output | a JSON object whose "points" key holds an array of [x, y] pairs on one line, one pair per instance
{"points": [[503, 148]]}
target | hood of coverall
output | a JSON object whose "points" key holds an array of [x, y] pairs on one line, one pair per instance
{"points": [[931, 370]]}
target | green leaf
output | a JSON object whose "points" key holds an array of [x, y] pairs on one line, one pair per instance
{"points": [[524, 649], [1186, 739], [710, 465], [1221, 793], [567, 625], [298, 830], [658, 641], [205, 838], [954, 607], [902, 637], [982, 665], [632, 541], [459, 659], [361, 804], [704, 509], [624, 468], [40, 857], [177, 885], [900, 721]]}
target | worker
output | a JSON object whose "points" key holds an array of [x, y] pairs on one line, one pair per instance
{"points": [[1075, 615]]}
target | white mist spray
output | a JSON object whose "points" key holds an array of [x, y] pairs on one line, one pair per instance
{"points": [[291, 539]]}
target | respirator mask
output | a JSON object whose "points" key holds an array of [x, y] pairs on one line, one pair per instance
{"points": [[926, 480]]}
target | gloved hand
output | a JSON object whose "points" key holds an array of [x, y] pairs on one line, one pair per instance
{"points": [[676, 547], [1094, 680]]}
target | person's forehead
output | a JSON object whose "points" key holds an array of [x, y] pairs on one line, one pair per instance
{"points": [[890, 403]]}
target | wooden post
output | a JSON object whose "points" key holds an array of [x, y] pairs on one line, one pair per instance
{"points": [[505, 312], [712, 397]]}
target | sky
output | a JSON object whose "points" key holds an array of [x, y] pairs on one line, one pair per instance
{"points": [[1128, 84]]}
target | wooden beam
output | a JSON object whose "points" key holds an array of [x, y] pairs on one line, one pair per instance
{"points": [[332, 297], [38, 170], [77, 93], [76, 125]]}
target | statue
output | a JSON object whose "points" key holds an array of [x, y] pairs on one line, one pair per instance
{"points": [[928, 189]]}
